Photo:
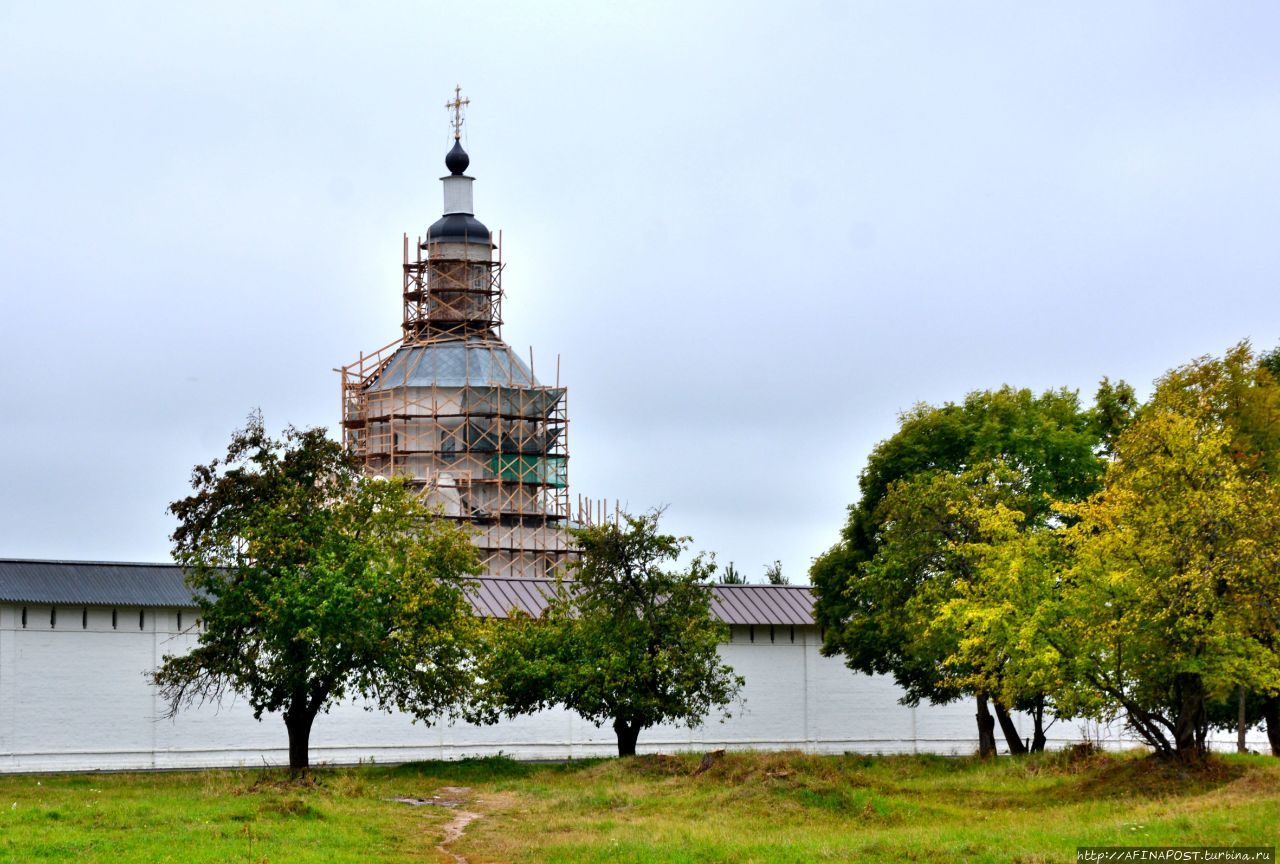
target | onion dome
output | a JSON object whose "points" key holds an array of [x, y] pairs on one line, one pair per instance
{"points": [[457, 160]]}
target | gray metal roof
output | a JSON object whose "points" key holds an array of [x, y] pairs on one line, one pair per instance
{"points": [[733, 604], [475, 363], [92, 583], [495, 597], [107, 583]]}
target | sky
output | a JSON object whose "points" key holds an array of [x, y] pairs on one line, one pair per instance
{"points": [[752, 232]]}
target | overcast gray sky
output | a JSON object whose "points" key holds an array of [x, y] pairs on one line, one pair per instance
{"points": [[754, 232]]}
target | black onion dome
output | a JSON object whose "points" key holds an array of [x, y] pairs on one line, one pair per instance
{"points": [[457, 159], [457, 228]]}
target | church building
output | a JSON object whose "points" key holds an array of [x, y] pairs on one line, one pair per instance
{"points": [[450, 405]]}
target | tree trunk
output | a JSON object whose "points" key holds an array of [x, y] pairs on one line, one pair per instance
{"points": [[298, 722], [1271, 713], [627, 734], [1038, 738], [1191, 727], [986, 729], [1148, 728], [1011, 736], [1242, 725]]}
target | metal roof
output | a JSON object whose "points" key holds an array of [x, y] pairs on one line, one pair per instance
{"points": [[494, 597], [763, 604], [732, 604], [458, 228], [473, 363], [110, 583], [92, 583]]}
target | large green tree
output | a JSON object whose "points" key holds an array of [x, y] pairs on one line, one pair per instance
{"points": [[630, 640], [316, 583], [1168, 601], [902, 555]]}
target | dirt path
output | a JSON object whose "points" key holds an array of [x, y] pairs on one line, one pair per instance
{"points": [[451, 797], [453, 832]]}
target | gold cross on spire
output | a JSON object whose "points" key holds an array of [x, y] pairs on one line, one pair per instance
{"points": [[456, 107]]}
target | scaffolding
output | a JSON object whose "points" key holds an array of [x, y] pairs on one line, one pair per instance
{"points": [[450, 406]]}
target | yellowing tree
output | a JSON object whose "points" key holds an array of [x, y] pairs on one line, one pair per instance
{"points": [[994, 622], [1169, 598]]}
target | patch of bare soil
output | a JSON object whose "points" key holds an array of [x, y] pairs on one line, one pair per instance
{"points": [[453, 832], [451, 797]]}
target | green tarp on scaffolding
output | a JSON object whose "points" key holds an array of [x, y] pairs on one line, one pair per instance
{"points": [[548, 470]]}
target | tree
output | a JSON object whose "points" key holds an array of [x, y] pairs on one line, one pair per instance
{"points": [[1165, 560], [315, 583], [1241, 393], [731, 576], [630, 640], [1168, 604], [930, 577], [992, 626], [902, 551], [773, 574]]}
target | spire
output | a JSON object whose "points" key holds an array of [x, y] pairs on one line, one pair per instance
{"points": [[458, 224]]}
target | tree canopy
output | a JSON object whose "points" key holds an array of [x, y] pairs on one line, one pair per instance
{"points": [[629, 640], [316, 583], [904, 551]]}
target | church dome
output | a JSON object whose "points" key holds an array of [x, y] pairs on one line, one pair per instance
{"points": [[455, 363], [457, 159]]}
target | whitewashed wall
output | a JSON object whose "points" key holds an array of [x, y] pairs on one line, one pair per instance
{"points": [[75, 698]]}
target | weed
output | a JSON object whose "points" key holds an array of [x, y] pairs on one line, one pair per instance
{"points": [[291, 807]]}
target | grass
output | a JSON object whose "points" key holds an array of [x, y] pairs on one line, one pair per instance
{"points": [[746, 808]]}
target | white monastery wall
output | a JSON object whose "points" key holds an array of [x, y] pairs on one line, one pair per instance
{"points": [[74, 697]]}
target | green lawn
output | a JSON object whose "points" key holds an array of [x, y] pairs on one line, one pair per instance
{"points": [[746, 808]]}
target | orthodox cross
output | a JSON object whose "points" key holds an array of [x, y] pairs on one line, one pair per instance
{"points": [[456, 107]]}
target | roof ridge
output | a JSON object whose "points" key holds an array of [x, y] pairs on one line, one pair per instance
{"points": [[760, 585], [87, 562]]}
